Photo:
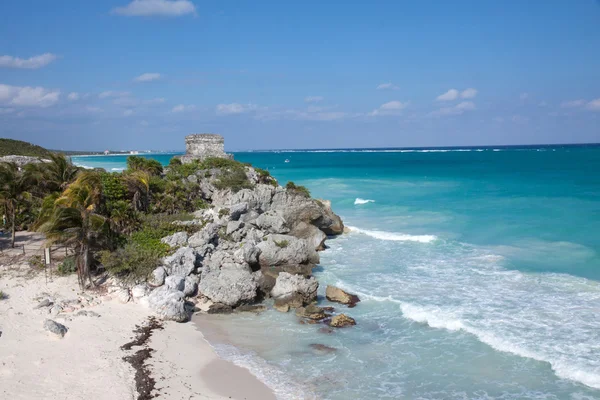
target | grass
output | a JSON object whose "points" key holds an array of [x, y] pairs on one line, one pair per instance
{"points": [[3, 295], [282, 244], [301, 190]]}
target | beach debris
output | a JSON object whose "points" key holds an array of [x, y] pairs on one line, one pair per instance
{"points": [[342, 320], [340, 296], [144, 383], [85, 313], [54, 327]]}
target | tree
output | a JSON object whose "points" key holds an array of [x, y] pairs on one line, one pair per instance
{"points": [[149, 165], [138, 185], [75, 222], [15, 186]]}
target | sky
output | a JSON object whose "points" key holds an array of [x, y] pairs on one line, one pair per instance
{"points": [[272, 74]]}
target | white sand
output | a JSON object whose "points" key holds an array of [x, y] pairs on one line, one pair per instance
{"points": [[87, 363]]}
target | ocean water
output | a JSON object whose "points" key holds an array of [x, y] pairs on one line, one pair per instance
{"points": [[478, 271]]}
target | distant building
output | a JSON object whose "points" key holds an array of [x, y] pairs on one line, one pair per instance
{"points": [[106, 152], [133, 152], [204, 145]]}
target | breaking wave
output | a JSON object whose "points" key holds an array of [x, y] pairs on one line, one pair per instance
{"points": [[362, 201], [401, 237]]}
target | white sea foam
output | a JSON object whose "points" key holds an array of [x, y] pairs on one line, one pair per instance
{"points": [[117, 169], [362, 201], [401, 237], [445, 319], [83, 166], [280, 383]]}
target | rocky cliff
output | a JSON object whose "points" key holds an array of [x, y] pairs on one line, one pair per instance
{"points": [[256, 243]]}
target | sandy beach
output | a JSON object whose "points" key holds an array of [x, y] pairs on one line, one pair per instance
{"points": [[87, 363]]}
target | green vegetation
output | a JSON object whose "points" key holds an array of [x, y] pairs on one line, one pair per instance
{"points": [[265, 177], [19, 148], [223, 212], [15, 187], [148, 165], [282, 244], [301, 190], [67, 267], [3, 295]]}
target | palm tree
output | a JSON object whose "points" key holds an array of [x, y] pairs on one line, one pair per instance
{"points": [[15, 184], [55, 175], [138, 185], [74, 221]]}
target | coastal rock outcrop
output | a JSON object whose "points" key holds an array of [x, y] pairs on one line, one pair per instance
{"points": [[339, 296], [231, 284], [294, 290], [176, 240], [342, 320]]}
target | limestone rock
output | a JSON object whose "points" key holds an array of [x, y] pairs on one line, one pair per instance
{"points": [[175, 282], [44, 303], [313, 235], [176, 240], [123, 295], [190, 286], [296, 290], [236, 211], [209, 234], [342, 320], [54, 327], [231, 285], [339, 296], [272, 222], [233, 226], [168, 304], [311, 311], [139, 291], [157, 278], [281, 306], [182, 263], [286, 250]]}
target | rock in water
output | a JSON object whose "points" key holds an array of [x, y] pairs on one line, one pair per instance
{"points": [[295, 290], [342, 320], [339, 296], [169, 304], [321, 348], [54, 327], [176, 240], [232, 284], [311, 312], [281, 306]]}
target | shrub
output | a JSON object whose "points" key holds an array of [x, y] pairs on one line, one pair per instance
{"points": [[217, 162], [301, 190], [223, 212], [36, 262], [282, 244], [67, 267], [235, 180], [3, 295], [113, 187], [131, 261], [264, 176]]}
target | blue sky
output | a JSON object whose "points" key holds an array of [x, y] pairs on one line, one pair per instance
{"points": [[123, 74]]}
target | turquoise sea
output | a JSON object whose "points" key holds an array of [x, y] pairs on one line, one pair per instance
{"points": [[478, 271]]}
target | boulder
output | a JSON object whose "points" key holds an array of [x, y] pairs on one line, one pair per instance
{"points": [[231, 285], [54, 327], [311, 311], [157, 278], [271, 222], [175, 282], [123, 295], [168, 304], [233, 226], [253, 308], [190, 286], [313, 235], [339, 296], [295, 290], [281, 306], [342, 320], [322, 349], [176, 240], [182, 263], [208, 235], [236, 211], [286, 250], [44, 303], [139, 291]]}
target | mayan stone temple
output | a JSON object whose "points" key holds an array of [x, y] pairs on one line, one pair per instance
{"points": [[204, 145]]}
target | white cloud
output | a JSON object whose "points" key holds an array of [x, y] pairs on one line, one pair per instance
{"points": [[127, 113], [182, 108], [27, 63], [27, 96], [73, 96], [458, 109], [148, 77], [235, 108], [450, 95], [148, 8], [389, 108], [313, 99], [469, 93], [388, 85], [454, 94], [94, 109], [110, 93], [519, 119], [594, 105], [572, 103], [158, 100]]}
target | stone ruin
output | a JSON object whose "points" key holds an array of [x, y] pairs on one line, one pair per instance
{"points": [[204, 145]]}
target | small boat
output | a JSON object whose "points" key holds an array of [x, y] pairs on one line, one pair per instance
{"points": [[287, 161]]}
